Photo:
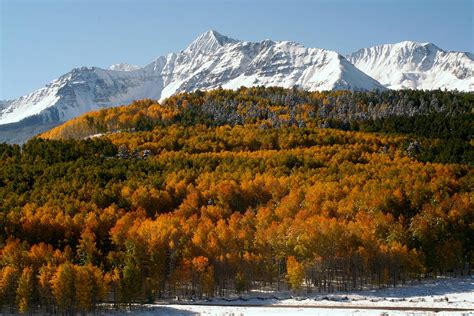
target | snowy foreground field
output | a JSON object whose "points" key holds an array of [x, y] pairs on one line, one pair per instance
{"points": [[446, 296]]}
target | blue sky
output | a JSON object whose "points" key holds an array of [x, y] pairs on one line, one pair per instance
{"points": [[43, 39]]}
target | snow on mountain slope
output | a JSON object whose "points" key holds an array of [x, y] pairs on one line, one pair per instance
{"points": [[416, 66], [267, 63], [212, 60], [124, 67], [81, 90]]}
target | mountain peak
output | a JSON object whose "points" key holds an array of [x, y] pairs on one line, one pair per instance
{"points": [[124, 67], [209, 42], [414, 65], [221, 39], [413, 44], [408, 43]]}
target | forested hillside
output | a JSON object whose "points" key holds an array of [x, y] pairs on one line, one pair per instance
{"points": [[222, 192], [441, 121]]}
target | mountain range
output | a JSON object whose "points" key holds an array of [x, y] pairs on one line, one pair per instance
{"points": [[214, 60]]}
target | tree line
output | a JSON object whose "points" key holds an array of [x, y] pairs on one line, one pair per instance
{"points": [[444, 116]]}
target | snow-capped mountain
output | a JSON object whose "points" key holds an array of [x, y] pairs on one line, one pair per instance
{"points": [[416, 66], [81, 90], [212, 60]]}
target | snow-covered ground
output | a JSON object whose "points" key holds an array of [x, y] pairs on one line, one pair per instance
{"points": [[187, 310], [444, 296]]}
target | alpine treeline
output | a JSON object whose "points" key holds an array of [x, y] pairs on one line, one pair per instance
{"points": [[440, 120], [221, 192]]}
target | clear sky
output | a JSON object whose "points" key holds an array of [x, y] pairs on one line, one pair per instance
{"points": [[43, 39]]}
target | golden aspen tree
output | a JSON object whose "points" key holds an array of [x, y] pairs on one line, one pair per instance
{"points": [[295, 271], [8, 284], [45, 275], [208, 282], [25, 290], [87, 251], [84, 288], [63, 287]]}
